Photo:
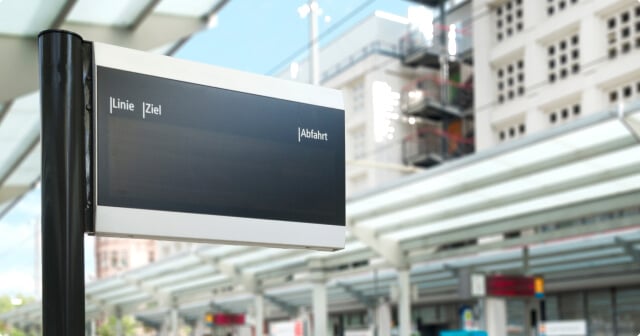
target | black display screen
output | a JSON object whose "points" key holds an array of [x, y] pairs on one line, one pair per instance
{"points": [[170, 145]]}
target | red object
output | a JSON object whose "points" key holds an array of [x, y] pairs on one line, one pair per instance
{"points": [[510, 286], [298, 328], [228, 319]]}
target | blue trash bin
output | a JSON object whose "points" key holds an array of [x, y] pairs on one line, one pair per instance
{"points": [[463, 333]]}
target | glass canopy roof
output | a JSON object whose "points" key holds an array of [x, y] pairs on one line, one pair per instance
{"points": [[114, 22], [602, 173]]}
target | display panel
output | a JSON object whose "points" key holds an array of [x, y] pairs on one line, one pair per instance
{"points": [[192, 152]]}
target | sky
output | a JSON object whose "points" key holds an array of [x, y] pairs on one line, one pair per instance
{"points": [[17, 248], [249, 35], [257, 36]]}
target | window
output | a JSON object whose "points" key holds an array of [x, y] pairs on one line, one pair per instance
{"points": [[512, 131], [623, 31], [599, 310], [624, 93], [571, 306], [124, 258], [510, 81], [114, 259], [564, 113], [555, 6], [628, 317], [509, 19], [563, 58]]}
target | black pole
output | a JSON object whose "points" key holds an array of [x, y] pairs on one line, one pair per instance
{"points": [[63, 183]]}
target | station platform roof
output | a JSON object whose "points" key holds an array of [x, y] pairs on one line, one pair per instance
{"points": [[563, 204], [151, 25]]}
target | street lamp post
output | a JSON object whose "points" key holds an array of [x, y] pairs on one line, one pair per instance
{"points": [[312, 9]]}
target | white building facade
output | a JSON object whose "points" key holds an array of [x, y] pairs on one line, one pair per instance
{"points": [[539, 64], [366, 63]]}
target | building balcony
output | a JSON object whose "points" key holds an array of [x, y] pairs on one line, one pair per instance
{"points": [[432, 98], [428, 146], [423, 46]]}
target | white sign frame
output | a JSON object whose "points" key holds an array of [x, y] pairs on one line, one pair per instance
{"points": [[168, 225]]}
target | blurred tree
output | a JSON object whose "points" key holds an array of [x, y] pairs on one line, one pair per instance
{"points": [[129, 326], [5, 306]]}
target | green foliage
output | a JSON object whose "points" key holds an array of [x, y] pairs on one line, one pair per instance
{"points": [[5, 302], [129, 326], [5, 306]]}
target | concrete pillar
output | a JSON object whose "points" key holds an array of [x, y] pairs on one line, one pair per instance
{"points": [[119, 329], [319, 309], [404, 302], [174, 324], [495, 316], [259, 314], [383, 319], [164, 327]]}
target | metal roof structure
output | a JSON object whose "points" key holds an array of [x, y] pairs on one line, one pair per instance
{"points": [[159, 25], [564, 204]]}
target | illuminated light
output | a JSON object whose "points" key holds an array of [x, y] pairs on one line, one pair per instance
{"points": [[412, 121], [538, 287], [304, 10], [16, 301], [421, 19], [510, 286], [452, 45], [327, 19], [211, 23], [294, 70], [452, 32], [314, 6], [415, 94]]}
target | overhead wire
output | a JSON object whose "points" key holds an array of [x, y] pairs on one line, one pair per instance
{"points": [[13, 248], [392, 143], [388, 143], [324, 34]]}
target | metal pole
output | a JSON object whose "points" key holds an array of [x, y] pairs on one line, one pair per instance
{"points": [[63, 183], [314, 59], [319, 308]]}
